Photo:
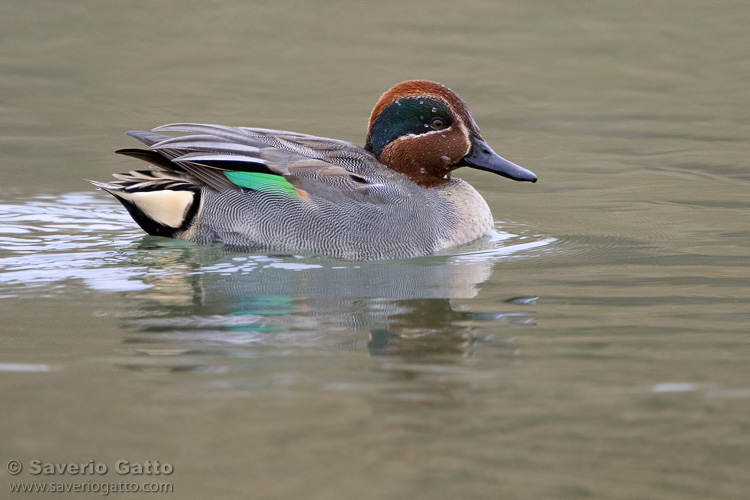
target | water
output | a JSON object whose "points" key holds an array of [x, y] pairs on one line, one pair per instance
{"points": [[595, 346]]}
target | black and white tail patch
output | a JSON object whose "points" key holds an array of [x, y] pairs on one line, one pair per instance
{"points": [[160, 208]]}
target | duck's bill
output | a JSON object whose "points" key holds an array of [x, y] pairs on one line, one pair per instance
{"points": [[482, 157]]}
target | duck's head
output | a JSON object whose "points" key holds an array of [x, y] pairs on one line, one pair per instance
{"points": [[424, 130]]}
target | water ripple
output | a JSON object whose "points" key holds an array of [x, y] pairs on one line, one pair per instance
{"points": [[82, 236]]}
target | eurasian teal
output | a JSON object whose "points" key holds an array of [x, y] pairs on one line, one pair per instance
{"points": [[285, 192]]}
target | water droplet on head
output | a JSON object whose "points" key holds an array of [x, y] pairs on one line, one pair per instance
{"points": [[434, 110], [422, 170], [421, 101]]}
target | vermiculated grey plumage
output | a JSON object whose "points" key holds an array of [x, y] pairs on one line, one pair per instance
{"points": [[351, 205]]}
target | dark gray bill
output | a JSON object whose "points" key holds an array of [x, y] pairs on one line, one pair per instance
{"points": [[482, 157]]}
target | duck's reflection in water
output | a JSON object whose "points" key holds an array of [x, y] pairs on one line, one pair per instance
{"points": [[208, 310], [428, 327]]}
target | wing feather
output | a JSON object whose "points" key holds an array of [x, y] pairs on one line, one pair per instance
{"points": [[321, 167]]}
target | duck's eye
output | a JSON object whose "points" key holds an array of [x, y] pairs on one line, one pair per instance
{"points": [[437, 123]]}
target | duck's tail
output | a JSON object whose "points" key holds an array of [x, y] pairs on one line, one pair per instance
{"points": [[161, 203]]}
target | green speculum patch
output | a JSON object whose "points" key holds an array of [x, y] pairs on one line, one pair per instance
{"points": [[411, 115], [261, 182]]}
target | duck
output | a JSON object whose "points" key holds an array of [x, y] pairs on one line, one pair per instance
{"points": [[282, 192]]}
